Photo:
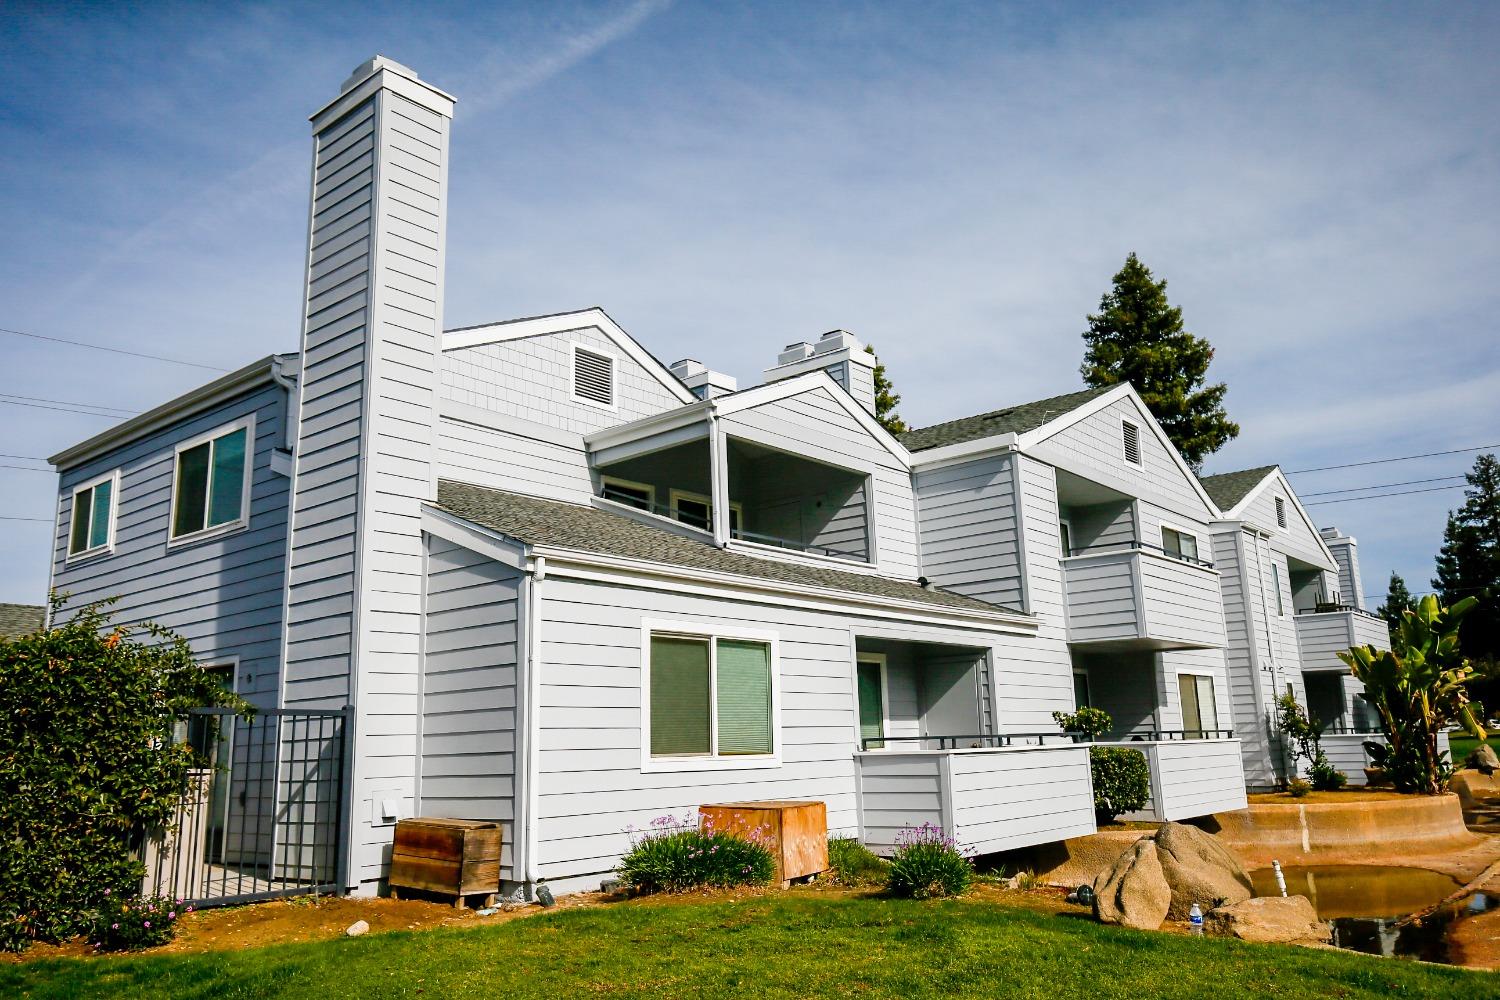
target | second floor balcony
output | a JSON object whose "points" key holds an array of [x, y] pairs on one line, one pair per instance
{"points": [[1325, 630], [1132, 595]]}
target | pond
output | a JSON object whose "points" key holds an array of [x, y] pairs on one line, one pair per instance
{"points": [[1365, 902]]}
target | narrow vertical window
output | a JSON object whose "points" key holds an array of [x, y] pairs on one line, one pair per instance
{"points": [[1276, 586], [93, 518], [1200, 715], [871, 705], [744, 697], [211, 485]]}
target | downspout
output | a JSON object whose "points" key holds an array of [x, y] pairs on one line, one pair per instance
{"points": [[289, 430]]}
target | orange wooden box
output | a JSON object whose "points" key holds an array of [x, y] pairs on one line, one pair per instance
{"points": [[796, 832], [456, 857]]}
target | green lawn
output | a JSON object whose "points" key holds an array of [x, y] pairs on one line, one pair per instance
{"points": [[1460, 747], [796, 945]]}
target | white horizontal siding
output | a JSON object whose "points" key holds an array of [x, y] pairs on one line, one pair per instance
{"points": [[1197, 778], [504, 460], [1183, 602], [969, 528]]}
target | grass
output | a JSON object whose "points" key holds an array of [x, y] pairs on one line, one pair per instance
{"points": [[1460, 747], [773, 945]]}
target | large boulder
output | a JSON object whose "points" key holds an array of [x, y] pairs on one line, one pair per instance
{"points": [[1133, 892], [1287, 919], [1483, 759], [1199, 869]]}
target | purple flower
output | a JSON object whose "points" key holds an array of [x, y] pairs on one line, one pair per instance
{"points": [[148, 923], [106, 892], [114, 927], [172, 915]]}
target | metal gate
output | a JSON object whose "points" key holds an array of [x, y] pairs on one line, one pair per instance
{"points": [[263, 814]]}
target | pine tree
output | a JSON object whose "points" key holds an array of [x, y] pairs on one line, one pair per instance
{"points": [[1469, 564], [885, 399], [1137, 337], [1397, 600]]}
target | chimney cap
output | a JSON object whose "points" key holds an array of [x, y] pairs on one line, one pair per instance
{"points": [[373, 65]]}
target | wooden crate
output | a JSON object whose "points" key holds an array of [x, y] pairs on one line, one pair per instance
{"points": [[455, 857], [796, 832]]}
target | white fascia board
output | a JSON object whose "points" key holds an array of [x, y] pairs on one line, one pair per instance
{"points": [[619, 570], [657, 423], [1276, 476], [460, 531], [1093, 406], [965, 451], [170, 412], [1237, 512], [798, 384], [568, 322]]}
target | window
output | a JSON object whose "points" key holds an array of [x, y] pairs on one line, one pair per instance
{"points": [[210, 490], [93, 526], [1199, 714], [697, 510], [870, 677], [1131, 440], [1180, 544], [1080, 690], [639, 495], [710, 697], [1276, 586], [593, 377], [1065, 537]]}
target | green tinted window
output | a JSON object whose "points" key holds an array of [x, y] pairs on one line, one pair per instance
{"points": [[226, 492], [192, 490], [679, 696], [871, 706], [99, 522], [744, 697], [83, 507]]}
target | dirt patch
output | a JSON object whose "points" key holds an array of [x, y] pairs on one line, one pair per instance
{"points": [[1474, 942], [290, 921]]}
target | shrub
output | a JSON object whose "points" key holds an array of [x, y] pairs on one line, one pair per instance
{"points": [[122, 924], [1297, 788], [852, 863], [927, 864], [88, 765], [1091, 722], [1306, 734], [1326, 778], [675, 856], [1122, 781]]}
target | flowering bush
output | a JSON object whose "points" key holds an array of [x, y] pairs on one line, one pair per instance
{"points": [[677, 855], [927, 863], [122, 924]]}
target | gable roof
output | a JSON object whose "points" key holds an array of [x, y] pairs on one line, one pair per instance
{"points": [[1017, 419], [17, 620], [1228, 488], [572, 526]]}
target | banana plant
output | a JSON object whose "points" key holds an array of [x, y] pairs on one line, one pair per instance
{"points": [[1417, 688]]}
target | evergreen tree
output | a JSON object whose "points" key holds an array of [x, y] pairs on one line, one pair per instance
{"points": [[1468, 565], [1137, 337], [885, 399], [1397, 600]]}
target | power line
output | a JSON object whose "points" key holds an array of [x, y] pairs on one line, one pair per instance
{"points": [[68, 402], [64, 409], [29, 458], [112, 350], [1381, 486], [1398, 458], [1378, 496], [17, 517], [23, 468]]}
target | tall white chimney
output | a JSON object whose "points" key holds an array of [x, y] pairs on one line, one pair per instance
{"points": [[1346, 553], [841, 355], [702, 381], [364, 459]]}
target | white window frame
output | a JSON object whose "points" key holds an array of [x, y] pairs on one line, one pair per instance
{"points": [[614, 376], [113, 478], [711, 762], [1276, 584], [1283, 522], [1165, 526], [1140, 443], [1077, 673], [1065, 522], [878, 659], [677, 495], [1213, 687], [228, 527], [630, 484]]}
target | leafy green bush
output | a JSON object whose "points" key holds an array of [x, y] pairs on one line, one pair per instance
{"points": [[1122, 781], [675, 856], [1306, 734], [140, 922], [852, 863], [1091, 722], [1326, 778], [927, 864], [88, 765], [1297, 788]]}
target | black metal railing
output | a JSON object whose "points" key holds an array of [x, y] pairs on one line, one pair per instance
{"points": [[1169, 735], [1328, 608], [1352, 731], [264, 809], [627, 499], [1132, 545], [1001, 741]]}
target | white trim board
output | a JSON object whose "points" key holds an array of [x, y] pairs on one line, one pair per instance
{"points": [[1237, 514]]}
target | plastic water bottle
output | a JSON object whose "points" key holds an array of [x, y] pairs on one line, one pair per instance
{"points": [[1195, 919]]}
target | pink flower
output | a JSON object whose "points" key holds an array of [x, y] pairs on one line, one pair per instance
{"points": [[114, 927], [172, 915], [148, 923], [106, 892]]}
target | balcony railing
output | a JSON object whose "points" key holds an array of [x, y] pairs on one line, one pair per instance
{"points": [[739, 534], [1147, 546], [1322, 635]]}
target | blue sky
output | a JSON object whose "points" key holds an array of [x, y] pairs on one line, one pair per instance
{"points": [[955, 183]]}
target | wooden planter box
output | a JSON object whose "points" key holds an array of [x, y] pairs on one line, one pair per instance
{"points": [[796, 832], [454, 857]]}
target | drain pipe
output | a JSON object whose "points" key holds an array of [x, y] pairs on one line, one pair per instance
{"points": [[1280, 878]]}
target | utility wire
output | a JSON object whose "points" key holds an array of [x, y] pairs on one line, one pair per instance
{"points": [[17, 517], [112, 350], [1398, 458], [1378, 496], [1381, 486], [23, 468], [64, 409], [29, 458], [69, 402]]}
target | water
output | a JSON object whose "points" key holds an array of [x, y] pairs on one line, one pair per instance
{"points": [[1364, 902]]}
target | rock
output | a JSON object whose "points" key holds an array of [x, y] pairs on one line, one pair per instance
{"points": [[1199, 869], [1133, 891], [357, 928], [1287, 919], [1483, 759]]}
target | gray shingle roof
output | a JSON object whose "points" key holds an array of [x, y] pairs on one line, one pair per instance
{"points": [[1229, 488], [588, 529], [20, 619], [1012, 419]]}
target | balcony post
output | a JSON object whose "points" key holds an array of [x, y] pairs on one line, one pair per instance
{"points": [[718, 476]]}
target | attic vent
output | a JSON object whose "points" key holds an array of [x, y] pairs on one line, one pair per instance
{"points": [[1280, 512], [1131, 438], [593, 376]]}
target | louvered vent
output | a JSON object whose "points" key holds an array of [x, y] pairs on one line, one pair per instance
{"points": [[593, 377], [1132, 441], [1280, 513]]}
